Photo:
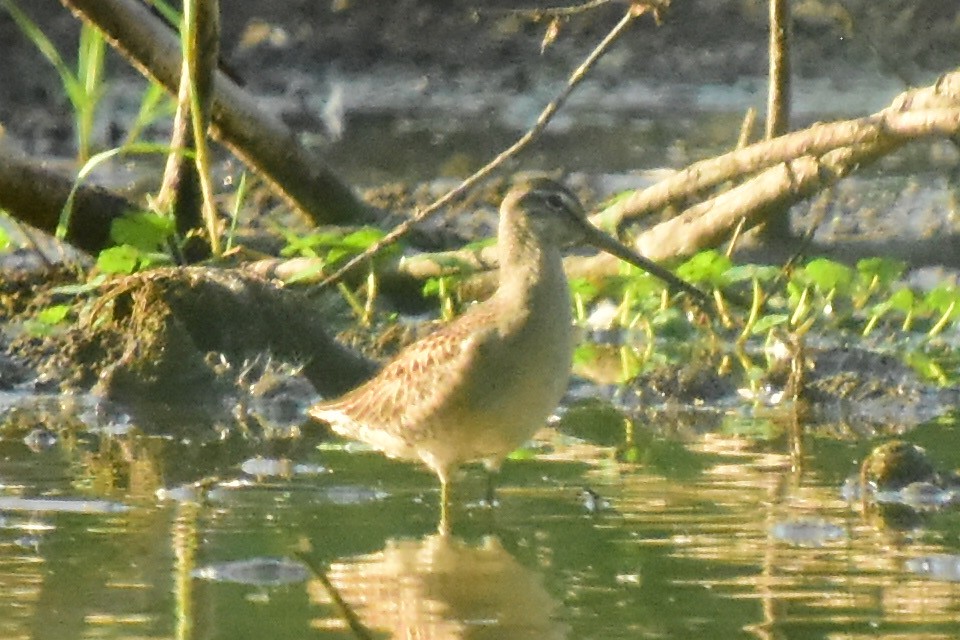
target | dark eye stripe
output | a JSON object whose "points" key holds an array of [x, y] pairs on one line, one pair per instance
{"points": [[555, 200], [558, 200]]}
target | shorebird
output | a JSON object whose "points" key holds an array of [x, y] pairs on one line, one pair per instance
{"points": [[480, 386]]}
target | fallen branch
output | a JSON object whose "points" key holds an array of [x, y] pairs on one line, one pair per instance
{"points": [[706, 224], [263, 142], [817, 140], [36, 195]]}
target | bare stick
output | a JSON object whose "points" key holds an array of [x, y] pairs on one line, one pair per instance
{"points": [[186, 191], [550, 12], [201, 51], [817, 140], [35, 194], [261, 141], [706, 223], [777, 224], [778, 97], [542, 120]]}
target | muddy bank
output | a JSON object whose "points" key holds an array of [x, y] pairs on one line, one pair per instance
{"points": [[377, 57]]}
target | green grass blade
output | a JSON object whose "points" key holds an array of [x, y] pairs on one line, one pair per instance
{"points": [[71, 83], [138, 149]]}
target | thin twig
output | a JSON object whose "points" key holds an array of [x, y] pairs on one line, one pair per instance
{"points": [[548, 12], [542, 120], [200, 67], [343, 609], [778, 98]]}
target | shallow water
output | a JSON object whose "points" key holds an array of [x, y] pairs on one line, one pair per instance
{"points": [[722, 526]]}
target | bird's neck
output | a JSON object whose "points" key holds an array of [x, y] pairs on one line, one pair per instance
{"points": [[532, 279]]}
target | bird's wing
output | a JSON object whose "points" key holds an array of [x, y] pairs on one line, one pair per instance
{"points": [[408, 391]]}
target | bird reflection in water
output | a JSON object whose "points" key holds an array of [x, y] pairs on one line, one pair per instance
{"points": [[441, 587]]}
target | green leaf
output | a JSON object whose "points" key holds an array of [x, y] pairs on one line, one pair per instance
{"points": [[708, 266], [122, 259], [143, 231], [431, 287], [885, 270], [4, 239], [522, 454], [332, 246], [902, 300], [926, 366], [81, 288], [584, 288], [941, 298], [335, 254], [748, 272], [828, 275], [308, 273], [362, 239], [768, 322], [53, 315]]}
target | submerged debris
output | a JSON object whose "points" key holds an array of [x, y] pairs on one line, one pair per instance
{"points": [[945, 567], [255, 571], [918, 495], [895, 464], [807, 532], [282, 467], [40, 439], [60, 505]]}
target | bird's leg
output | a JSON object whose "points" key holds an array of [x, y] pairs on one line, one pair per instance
{"points": [[444, 527], [493, 472]]}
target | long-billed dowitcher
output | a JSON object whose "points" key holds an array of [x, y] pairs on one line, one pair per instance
{"points": [[480, 386]]}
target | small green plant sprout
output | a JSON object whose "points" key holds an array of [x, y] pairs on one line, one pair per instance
{"points": [[330, 249], [48, 320], [155, 103], [708, 267], [452, 272], [944, 302], [639, 294], [902, 301], [929, 367], [813, 289], [141, 240], [641, 301], [757, 275], [875, 276], [239, 196], [67, 211], [583, 292], [443, 288], [829, 279]]}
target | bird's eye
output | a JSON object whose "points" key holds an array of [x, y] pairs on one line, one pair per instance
{"points": [[555, 201]]}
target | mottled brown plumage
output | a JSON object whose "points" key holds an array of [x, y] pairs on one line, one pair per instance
{"points": [[479, 387]]}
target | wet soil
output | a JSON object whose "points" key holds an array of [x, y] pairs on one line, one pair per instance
{"points": [[451, 61], [441, 47]]}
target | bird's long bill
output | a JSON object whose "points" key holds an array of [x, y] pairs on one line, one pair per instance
{"points": [[606, 243]]}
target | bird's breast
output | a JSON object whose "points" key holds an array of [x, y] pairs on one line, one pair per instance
{"points": [[518, 379]]}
